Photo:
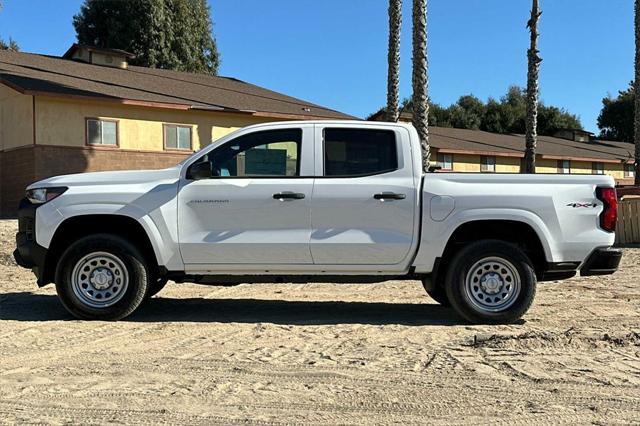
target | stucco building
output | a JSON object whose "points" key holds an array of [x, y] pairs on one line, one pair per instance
{"points": [[569, 151], [89, 110]]}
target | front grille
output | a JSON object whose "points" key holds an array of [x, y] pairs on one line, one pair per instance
{"points": [[27, 225]]}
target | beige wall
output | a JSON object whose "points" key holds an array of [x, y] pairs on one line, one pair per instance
{"points": [[615, 170], [466, 163], [62, 123], [508, 164], [108, 60], [580, 167], [98, 58], [471, 163], [549, 166], [16, 119]]}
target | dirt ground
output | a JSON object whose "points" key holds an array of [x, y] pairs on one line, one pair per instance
{"points": [[320, 354]]}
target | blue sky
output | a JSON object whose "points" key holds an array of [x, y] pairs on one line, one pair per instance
{"points": [[333, 52]]}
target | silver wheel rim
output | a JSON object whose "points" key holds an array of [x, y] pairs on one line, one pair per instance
{"points": [[99, 279], [492, 284]]}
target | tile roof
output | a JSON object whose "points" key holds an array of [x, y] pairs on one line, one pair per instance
{"points": [[37, 74]]}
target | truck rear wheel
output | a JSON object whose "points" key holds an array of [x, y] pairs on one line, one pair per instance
{"points": [[102, 277], [491, 282]]}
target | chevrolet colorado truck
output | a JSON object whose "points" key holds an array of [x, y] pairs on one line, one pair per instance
{"points": [[325, 201]]}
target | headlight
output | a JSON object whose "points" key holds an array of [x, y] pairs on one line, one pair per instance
{"points": [[43, 195]]}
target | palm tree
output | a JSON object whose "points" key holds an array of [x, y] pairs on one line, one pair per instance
{"points": [[637, 95], [532, 92], [393, 77], [420, 79]]}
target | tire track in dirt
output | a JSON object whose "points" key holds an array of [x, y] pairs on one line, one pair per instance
{"points": [[573, 360]]}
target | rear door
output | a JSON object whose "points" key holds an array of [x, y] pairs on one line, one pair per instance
{"points": [[255, 211], [364, 205]]}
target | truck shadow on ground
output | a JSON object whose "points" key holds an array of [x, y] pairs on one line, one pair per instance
{"points": [[25, 306]]}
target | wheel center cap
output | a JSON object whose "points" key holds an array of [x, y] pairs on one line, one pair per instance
{"points": [[492, 283], [101, 278]]}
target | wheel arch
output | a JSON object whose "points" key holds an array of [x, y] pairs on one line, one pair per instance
{"points": [[75, 227], [517, 232]]}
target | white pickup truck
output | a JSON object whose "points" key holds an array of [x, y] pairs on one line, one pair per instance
{"points": [[325, 201]]}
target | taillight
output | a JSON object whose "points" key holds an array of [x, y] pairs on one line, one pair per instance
{"points": [[609, 215]]}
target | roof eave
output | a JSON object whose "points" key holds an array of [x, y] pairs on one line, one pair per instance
{"points": [[167, 105]]}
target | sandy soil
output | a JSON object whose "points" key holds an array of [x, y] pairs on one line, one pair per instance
{"points": [[320, 353]]}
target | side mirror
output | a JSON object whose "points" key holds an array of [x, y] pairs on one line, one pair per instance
{"points": [[199, 171]]}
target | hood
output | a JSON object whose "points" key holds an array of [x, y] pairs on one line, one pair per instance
{"points": [[109, 178]]}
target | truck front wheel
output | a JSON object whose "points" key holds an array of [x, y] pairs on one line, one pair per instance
{"points": [[156, 287], [491, 282], [102, 277], [437, 293]]}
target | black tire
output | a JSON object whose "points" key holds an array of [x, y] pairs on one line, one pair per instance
{"points": [[439, 294], [156, 287], [131, 268], [483, 256]]}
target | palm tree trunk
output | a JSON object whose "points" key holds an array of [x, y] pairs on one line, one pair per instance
{"points": [[420, 79], [532, 92], [393, 76], [637, 95]]}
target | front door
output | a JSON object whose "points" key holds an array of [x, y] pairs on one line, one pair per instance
{"points": [[365, 205], [255, 209]]}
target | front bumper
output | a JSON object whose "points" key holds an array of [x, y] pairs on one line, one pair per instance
{"points": [[603, 261], [28, 253]]}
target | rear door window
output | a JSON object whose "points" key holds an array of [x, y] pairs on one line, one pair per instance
{"points": [[359, 152]]}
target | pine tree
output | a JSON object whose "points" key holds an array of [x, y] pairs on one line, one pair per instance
{"points": [[11, 45], [169, 34]]}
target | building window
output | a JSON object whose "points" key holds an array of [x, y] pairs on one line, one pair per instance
{"points": [[102, 132], [177, 137], [445, 161], [564, 167], [356, 152], [629, 170], [597, 168], [487, 164]]}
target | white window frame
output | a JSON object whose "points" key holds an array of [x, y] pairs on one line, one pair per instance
{"points": [[564, 167], [175, 127], [597, 168], [101, 123], [488, 164], [629, 170], [443, 164]]}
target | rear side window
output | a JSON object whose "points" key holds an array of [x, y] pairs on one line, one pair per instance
{"points": [[356, 152]]}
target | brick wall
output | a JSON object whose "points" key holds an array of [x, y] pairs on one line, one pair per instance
{"points": [[58, 160], [23, 166], [18, 171], [1, 165]]}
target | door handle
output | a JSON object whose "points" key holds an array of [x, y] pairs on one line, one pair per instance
{"points": [[389, 196], [288, 196]]}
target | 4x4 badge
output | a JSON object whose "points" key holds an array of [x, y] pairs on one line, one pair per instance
{"points": [[583, 205]]}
